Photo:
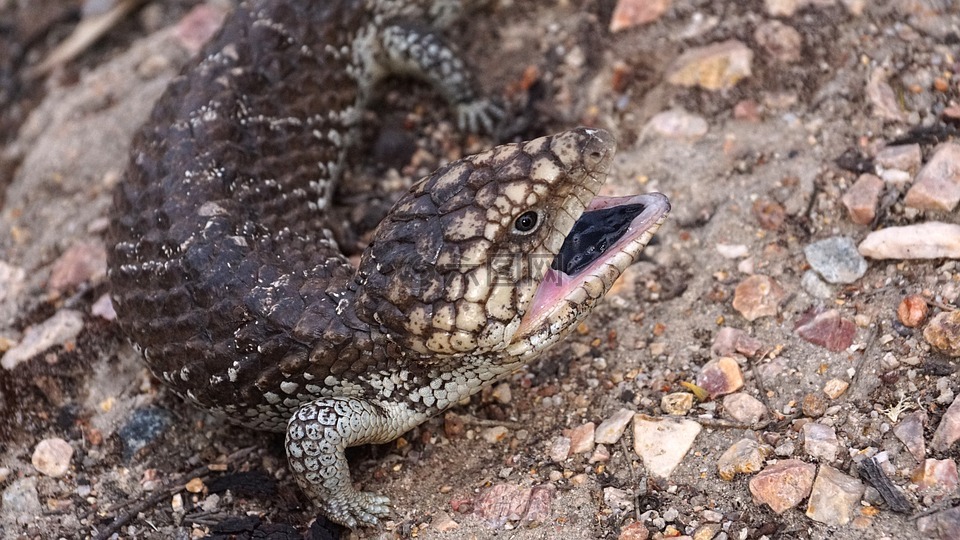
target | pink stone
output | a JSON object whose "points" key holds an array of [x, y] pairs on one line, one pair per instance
{"points": [[83, 262], [744, 408], [948, 431], [581, 438], [910, 433], [937, 477], [835, 497], [630, 13], [862, 198], [745, 456], [720, 377], [943, 332], [938, 183], [758, 296], [734, 340], [826, 329], [783, 485], [905, 157]]}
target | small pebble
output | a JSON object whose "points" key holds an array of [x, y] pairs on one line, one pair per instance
{"points": [[634, 531], [617, 499], [746, 456], [815, 286], [910, 433], [826, 329], [835, 497], [83, 262], [51, 457], [611, 429], [678, 403], [946, 522], [559, 449], [732, 251], [744, 408], [734, 340], [835, 388], [600, 454], [501, 393], [813, 405], [820, 441], [930, 240], [836, 259], [758, 296], [495, 434], [707, 531], [442, 522], [948, 431], [943, 332], [581, 438], [883, 98], [61, 328], [103, 308], [713, 67], [783, 485], [195, 485], [662, 442], [720, 377], [936, 478], [143, 426], [912, 311], [501, 503], [677, 124], [862, 198], [906, 157], [937, 186], [630, 13]]}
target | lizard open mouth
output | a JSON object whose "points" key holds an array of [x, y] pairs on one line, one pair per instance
{"points": [[607, 238]]}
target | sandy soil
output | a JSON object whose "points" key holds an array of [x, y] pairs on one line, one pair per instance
{"points": [[777, 136]]}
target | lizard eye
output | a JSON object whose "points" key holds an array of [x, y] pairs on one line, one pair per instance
{"points": [[527, 222]]}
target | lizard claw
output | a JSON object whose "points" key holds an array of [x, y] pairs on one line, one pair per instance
{"points": [[361, 508], [480, 115]]}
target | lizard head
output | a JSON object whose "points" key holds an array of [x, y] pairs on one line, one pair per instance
{"points": [[505, 251]]}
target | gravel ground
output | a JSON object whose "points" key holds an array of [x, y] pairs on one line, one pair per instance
{"points": [[791, 371]]}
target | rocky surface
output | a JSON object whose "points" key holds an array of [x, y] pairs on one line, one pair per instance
{"points": [[772, 126]]}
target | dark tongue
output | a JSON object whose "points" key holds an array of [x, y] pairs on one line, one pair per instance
{"points": [[592, 235]]}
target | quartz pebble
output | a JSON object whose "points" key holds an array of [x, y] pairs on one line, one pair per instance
{"points": [[910, 433], [732, 251], [678, 403], [862, 198], [51, 457], [662, 442], [905, 157], [611, 429], [943, 332], [930, 240], [677, 124], [820, 441], [937, 186], [745, 456], [442, 522], [783, 485], [835, 388], [501, 393], [826, 329], [835, 497], [581, 438], [713, 67], [883, 98], [744, 408], [720, 377], [83, 262], [948, 431], [734, 340], [707, 531], [495, 434], [62, 327], [936, 478], [758, 296], [600, 454], [559, 449], [836, 259], [912, 310], [630, 13]]}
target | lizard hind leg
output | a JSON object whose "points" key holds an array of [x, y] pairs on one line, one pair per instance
{"points": [[317, 437]]}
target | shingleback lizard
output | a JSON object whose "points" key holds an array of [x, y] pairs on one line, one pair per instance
{"points": [[226, 276]]}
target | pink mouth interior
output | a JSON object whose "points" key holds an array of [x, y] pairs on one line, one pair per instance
{"points": [[557, 285]]}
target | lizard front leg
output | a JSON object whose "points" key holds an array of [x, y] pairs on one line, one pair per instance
{"points": [[317, 437]]}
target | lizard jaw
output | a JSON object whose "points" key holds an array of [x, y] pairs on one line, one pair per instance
{"points": [[570, 289]]}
